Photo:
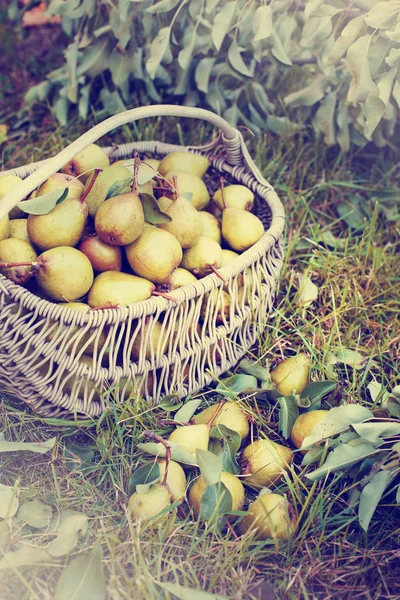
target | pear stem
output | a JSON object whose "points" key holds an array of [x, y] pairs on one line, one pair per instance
{"points": [[176, 192], [113, 150], [166, 296], [168, 451], [136, 167], [218, 274], [222, 188], [4, 265], [215, 415], [91, 184], [161, 188]]}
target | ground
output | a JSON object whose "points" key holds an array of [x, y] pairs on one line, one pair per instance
{"points": [[357, 307]]}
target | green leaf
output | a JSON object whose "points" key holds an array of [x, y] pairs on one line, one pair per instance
{"points": [[278, 50], [346, 39], [345, 356], [170, 403], [307, 292], [178, 453], [188, 196], [83, 104], [146, 474], [383, 15], [371, 495], [185, 593], [35, 513], [225, 443], [352, 213], [216, 502], [162, 6], [38, 447], [24, 556], [203, 72], [377, 101], [38, 92], [358, 64], [222, 23], [118, 187], [78, 457], [70, 528], [255, 369], [8, 501], [187, 411], [262, 23], [236, 384], [316, 390], [309, 95], [236, 60], [373, 431], [393, 406], [337, 420], [393, 58], [288, 413], [42, 205], [323, 120], [152, 211], [342, 458], [60, 109], [158, 48], [210, 466], [83, 578], [283, 125], [146, 173]]}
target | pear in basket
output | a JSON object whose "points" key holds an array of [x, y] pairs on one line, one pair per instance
{"points": [[18, 229], [103, 257], [184, 161], [211, 226], [92, 157], [120, 220], [203, 258], [237, 196], [8, 183], [188, 183], [60, 181], [186, 224], [178, 278], [154, 255], [12, 252]]}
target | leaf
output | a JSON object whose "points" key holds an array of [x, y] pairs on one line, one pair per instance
{"points": [[282, 125], [358, 65], [78, 457], [308, 95], [187, 411], [337, 420], [376, 103], [146, 474], [393, 58], [373, 431], [203, 72], [215, 502], [236, 384], [371, 495], [35, 513], [324, 118], [342, 458], [24, 556], [225, 442], [162, 7], [210, 466], [255, 369], [152, 211], [83, 578], [393, 406], [188, 196], [170, 403], [222, 23], [185, 593], [327, 238], [178, 453], [278, 50], [377, 391], [8, 501], [117, 187], [288, 413], [307, 292], [236, 60], [83, 104], [42, 205], [383, 15], [346, 39], [158, 48], [315, 30], [70, 528], [352, 213], [146, 173], [38, 447], [316, 390], [262, 23], [345, 356]]}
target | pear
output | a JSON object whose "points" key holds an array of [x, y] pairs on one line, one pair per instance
{"points": [[8, 183], [113, 288], [231, 415], [154, 255], [292, 375], [191, 438], [92, 157], [186, 224], [60, 181], [64, 273], [211, 226], [4, 228], [102, 256], [305, 425], [62, 226], [271, 516], [232, 483], [164, 203], [241, 229], [152, 162], [221, 305], [18, 229], [144, 188], [154, 339], [187, 182], [265, 461], [203, 258], [228, 256], [90, 348], [178, 278], [176, 479], [143, 507], [237, 196], [14, 250], [184, 161], [115, 175], [120, 220], [92, 386]]}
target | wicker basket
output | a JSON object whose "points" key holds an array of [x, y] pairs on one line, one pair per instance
{"points": [[42, 343]]}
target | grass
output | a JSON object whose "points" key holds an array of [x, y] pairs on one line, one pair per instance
{"points": [[357, 307]]}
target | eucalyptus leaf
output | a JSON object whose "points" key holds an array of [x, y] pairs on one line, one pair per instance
{"points": [[117, 187], [158, 48], [38, 447], [148, 473], [23, 557], [83, 578], [186, 412], [383, 15], [341, 459], [162, 6], [152, 211], [203, 72], [358, 65], [262, 23], [371, 495], [288, 414], [178, 454], [309, 95], [42, 205], [225, 442], [393, 406], [35, 513], [210, 466], [346, 39], [236, 60]]}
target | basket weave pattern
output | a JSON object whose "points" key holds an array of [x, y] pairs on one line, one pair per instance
{"points": [[42, 343]]}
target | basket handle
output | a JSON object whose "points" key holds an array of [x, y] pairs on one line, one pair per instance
{"points": [[54, 164]]}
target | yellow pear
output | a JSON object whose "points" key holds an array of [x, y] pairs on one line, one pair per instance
{"points": [[62, 226], [178, 278], [211, 226], [114, 175], [92, 386], [265, 461], [120, 220], [65, 274], [8, 183], [154, 255], [4, 228], [13, 250], [184, 161], [240, 228], [231, 415], [305, 424], [18, 229], [228, 256], [92, 157], [60, 181], [113, 288], [202, 258], [237, 196], [82, 307], [191, 437], [143, 507], [156, 338], [221, 302], [270, 516], [292, 375], [186, 224], [187, 182], [176, 479], [232, 483]]}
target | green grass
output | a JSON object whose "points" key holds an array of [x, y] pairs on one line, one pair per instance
{"points": [[357, 308]]}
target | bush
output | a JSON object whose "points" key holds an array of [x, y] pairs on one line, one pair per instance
{"points": [[281, 66]]}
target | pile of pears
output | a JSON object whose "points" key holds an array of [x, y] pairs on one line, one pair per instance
{"points": [[119, 233]]}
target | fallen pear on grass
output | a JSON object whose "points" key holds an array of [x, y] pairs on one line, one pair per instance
{"points": [[113, 288], [175, 480], [143, 507], [269, 516], [230, 415], [292, 375], [232, 483], [305, 425], [184, 161], [191, 437], [264, 461], [92, 157]]}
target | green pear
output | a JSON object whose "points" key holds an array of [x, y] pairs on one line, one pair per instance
{"points": [[120, 220], [14, 250], [4, 228], [92, 385], [103, 257], [8, 183], [269, 516], [240, 228], [264, 462], [143, 507], [176, 479], [152, 162], [115, 175], [154, 255], [237, 196], [211, 226], [64, 273], [192, 184], [231, 415], [129, 165], [164, 203], [18, 228], [221, 302], [191, 438], [156, 339], [228, 256], [62, 226], [92, 157], [60, 181], [178, 278], [232, 483], [292, 375], [90, 348], [186, 224], [305, 425], [203, 258], [184, 161], [113, 288]]}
